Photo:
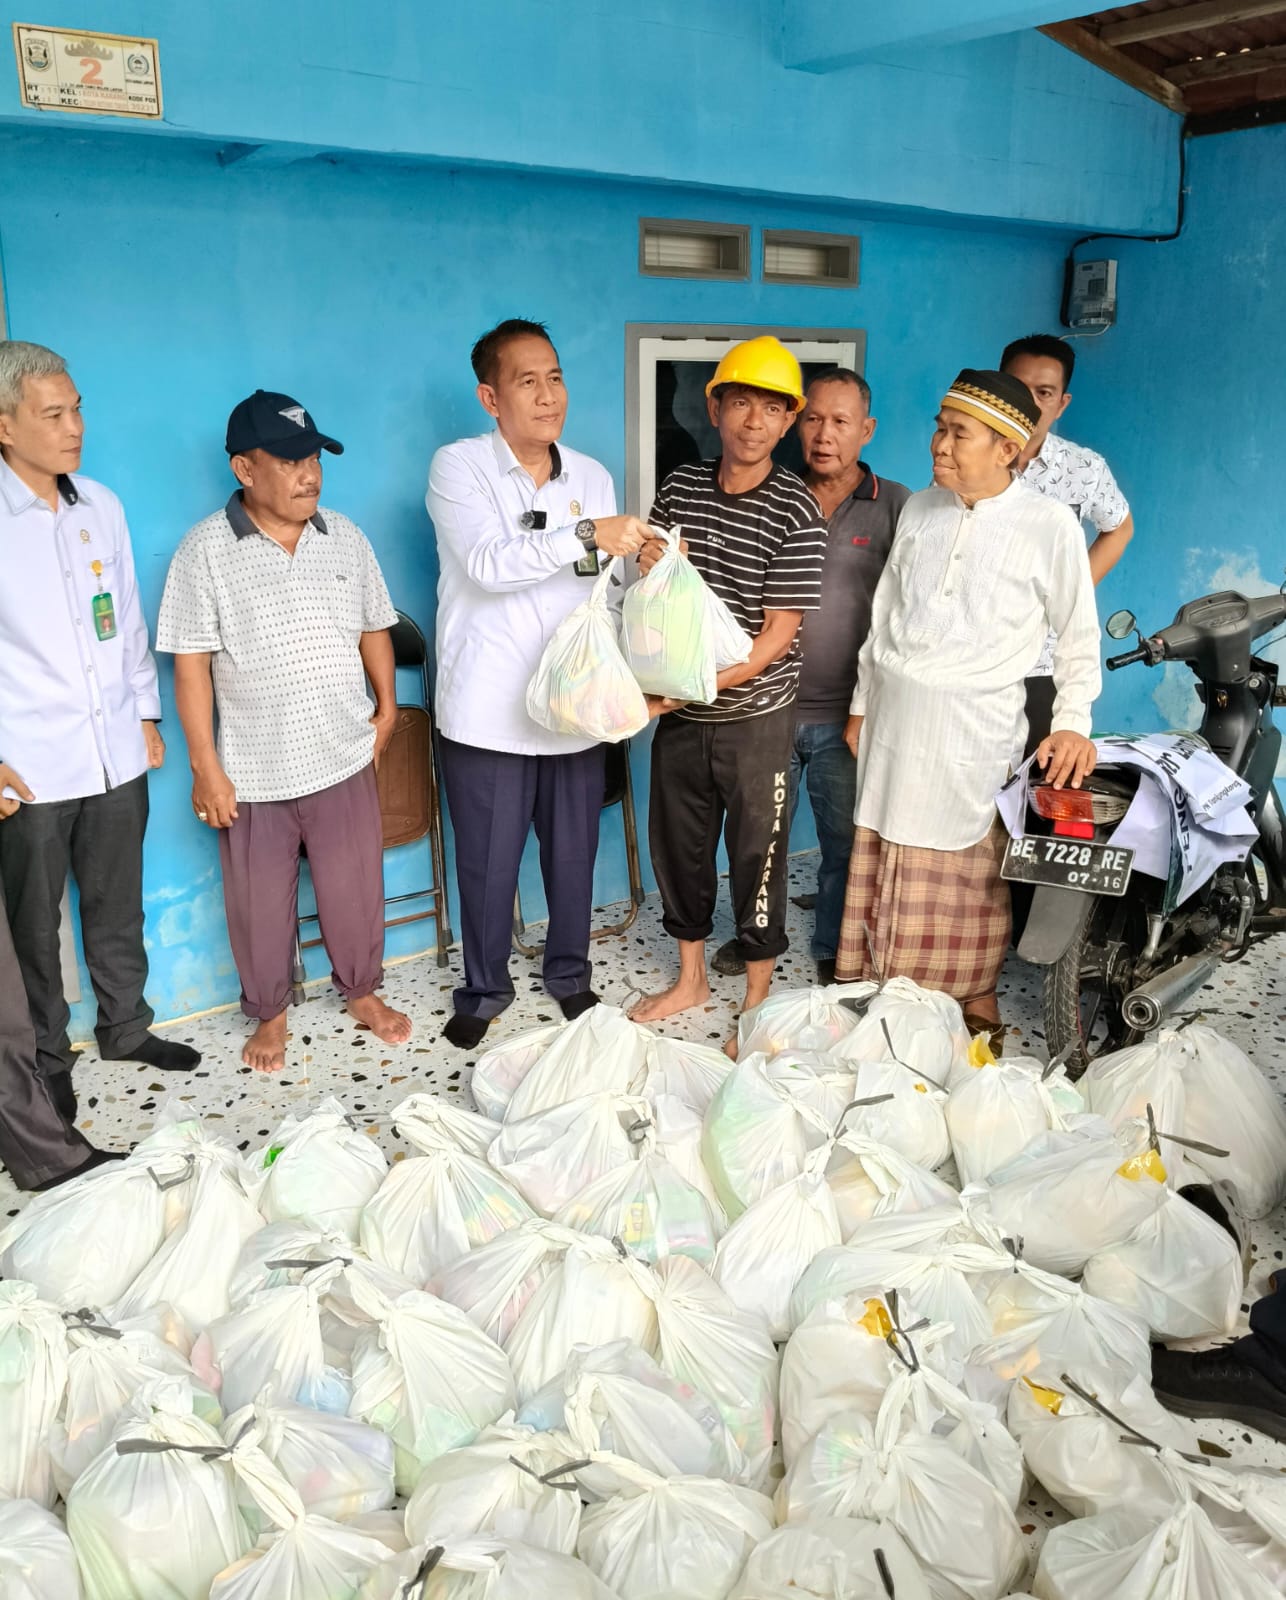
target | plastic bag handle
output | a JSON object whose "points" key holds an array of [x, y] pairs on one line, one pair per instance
{"points": [[421, 1577]]}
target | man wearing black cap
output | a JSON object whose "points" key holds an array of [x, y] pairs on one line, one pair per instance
{"points": [[277, 612], [981, 568]]}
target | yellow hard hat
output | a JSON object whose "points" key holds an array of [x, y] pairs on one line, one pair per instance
{"points": [[763, 363]]}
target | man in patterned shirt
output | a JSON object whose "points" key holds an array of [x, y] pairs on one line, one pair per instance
{"points": [[1070, 474], [277, 612], [758, 538]]}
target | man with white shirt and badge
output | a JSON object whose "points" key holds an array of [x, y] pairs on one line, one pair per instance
{"points": [[981, 568], [78, 711], [1072, 475], [522, 522]]}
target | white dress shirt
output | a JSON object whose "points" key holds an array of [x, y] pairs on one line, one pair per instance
{"points": [[71, 705], [504, 588], [1081, 479], [957, 619]]}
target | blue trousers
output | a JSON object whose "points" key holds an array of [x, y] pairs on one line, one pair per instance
{"points": [[821, 759], [495, 798]]}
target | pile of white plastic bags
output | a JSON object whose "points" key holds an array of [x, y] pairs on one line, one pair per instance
{"points": [[652, 1325]]}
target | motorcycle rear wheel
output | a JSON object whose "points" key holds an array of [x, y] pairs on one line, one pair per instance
{"points": [[1085, 987]]}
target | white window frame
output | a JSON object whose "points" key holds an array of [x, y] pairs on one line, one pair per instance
{"points": [[646, 343]]}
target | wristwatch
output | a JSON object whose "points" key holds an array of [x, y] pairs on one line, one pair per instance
{"points": [[587, 533]]}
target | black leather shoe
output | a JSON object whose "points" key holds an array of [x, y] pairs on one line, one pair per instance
{"points": [[826, 971], [1231, 1381], [464, 1031], [576, 1004], [62, 1094], [729, 962]]}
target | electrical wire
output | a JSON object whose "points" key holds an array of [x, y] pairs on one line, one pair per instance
{"points": [[1181, 209]]}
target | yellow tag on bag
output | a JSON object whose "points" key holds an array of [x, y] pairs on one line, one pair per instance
{"points": [[1051, 1399], [980, 1052], [1147, 1165], [877, 1321]]}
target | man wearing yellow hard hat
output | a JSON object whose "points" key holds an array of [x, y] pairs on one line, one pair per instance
{"points": [[758, 538]]}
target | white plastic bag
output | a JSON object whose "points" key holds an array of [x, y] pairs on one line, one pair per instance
{"points": [[487, 1567], [921, 1028], [37, 1561], [1178, 1270], [432, 1122], [162, 1520], [872, 1180], [692, 1073], [33, 1378], [583, 684], [493, 1283], [426, 1376], [679, 1135], [1084, 1458], [1232, 1106], [601, 1052], [766, 1250], [724, 1353], [955, 1521], [650, 1207], [732, 644], [1070, 1195], [666, 634], [551, 1156], [996, 1111], [511, 1481], [766, 1118], [435, 1207], [320, 1167], [1122, 1555], [684, 1538], [832, 1558], [500, 1070], [898, 1108], [1043, 1322], [800, 1019], [340, 1468], [617, 1399], [596, 1293], [312, 1559]]}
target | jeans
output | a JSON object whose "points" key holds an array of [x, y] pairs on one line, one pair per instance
{"points": [[822, 759]]}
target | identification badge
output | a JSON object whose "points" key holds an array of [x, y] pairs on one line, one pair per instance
{"points": [[587, 566], [103, 608]]}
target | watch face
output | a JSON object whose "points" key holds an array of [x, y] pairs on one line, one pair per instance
{"points": [[585, 530]]}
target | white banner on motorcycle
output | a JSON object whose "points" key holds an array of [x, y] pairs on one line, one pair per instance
{"points": [[1192, 805]]}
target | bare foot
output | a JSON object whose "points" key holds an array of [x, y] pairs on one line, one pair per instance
{"points": [[730, 1047], [680, 996], [392, 1027], [265, 1049]]}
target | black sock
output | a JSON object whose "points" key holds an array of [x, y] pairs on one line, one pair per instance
{"points": [[465, 1031], [166, 1054], [97, 1158], [575, 1004]]}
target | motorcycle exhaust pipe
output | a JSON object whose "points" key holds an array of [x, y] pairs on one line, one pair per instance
{"points": [[1143, 1008]]}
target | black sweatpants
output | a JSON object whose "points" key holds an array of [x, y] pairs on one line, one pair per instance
{"points": [[100, 839], [1040, 716], [735, 776]]}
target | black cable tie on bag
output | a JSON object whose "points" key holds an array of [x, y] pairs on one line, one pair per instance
{"points": [[1188, 1019], [1015, 1249], [897, 1059], [306, 1266], [1060, 1060], [189, 1163], [421, 1576], [876, 968], [886, 1577], [900, 1335], [156, 1447], [637, 1130], [550, 1478], [1129, 1435], [620, 1248], [1155, 1137], [82, 1321], [870, 1100]]}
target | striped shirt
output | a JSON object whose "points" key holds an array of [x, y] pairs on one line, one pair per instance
{"points": [[759, 551]]}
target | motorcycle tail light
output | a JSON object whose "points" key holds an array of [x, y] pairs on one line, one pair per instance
{"points": [[1063, 805]]}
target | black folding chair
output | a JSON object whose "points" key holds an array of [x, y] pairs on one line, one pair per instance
{"points": [[410, 802], [618, 790]]}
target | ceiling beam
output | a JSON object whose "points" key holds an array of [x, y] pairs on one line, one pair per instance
{"points": [[1183, 19], [1084, 43], [1214, 69]]}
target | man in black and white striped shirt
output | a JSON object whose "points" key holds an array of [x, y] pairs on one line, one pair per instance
{"points": [[757, 536]]}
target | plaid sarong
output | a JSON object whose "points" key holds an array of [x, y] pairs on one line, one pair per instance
{"points": [[939, 917]]}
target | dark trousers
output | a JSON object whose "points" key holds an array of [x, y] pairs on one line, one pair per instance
{"points": [[1268, 1322], [1040, 718], [340, 828], [35, 1143], [826, 765], [494, 798], [100, 840], [734, 777]]}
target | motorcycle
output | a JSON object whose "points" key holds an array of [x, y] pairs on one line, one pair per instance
{"points": [[1124, 948]]}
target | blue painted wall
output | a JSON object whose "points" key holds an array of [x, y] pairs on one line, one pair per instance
{"points": [[175, 285], [690, 91], [1186, 398]]}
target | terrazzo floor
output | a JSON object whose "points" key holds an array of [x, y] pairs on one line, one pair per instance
{"points": [[329, 1055]]}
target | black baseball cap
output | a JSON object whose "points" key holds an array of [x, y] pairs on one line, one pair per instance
{"points": [[279, 425]]}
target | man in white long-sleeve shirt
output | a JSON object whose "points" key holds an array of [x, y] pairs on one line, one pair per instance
{"points": [[521, 522], [981, 567]]}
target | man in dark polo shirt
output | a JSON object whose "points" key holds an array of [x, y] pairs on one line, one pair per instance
{"points": [[861, 512]]}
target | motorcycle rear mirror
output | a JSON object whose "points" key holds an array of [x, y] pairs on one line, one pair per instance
{"points": [[1120, 625]]}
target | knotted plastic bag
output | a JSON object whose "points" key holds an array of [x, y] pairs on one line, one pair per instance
{"points": [[666, 632], [583, 684], [37, 1561], [321, 1167], [33, 1377]]}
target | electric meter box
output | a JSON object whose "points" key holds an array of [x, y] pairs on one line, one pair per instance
{"points": [[1091, 295]]}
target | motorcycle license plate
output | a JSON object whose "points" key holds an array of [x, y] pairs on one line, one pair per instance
{"points": [[1067, 864]]}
